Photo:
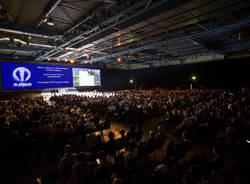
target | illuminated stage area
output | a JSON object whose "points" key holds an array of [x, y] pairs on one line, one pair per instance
{"points": [[48, 93]]}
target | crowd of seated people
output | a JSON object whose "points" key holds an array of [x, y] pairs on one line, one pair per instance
{"points": [[191, 120]]}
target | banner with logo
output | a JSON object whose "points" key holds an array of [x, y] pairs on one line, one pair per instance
{"points": [[40, 76]]}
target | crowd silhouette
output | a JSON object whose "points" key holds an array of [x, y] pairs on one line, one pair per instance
{"points": [[202, 136]]}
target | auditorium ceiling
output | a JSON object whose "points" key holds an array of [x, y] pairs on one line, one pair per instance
{"points": [[124, 34]]}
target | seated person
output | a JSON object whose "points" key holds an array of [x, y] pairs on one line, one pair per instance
{"points": [[103, 170], [122, 141], [131, 153], [82, 171], [110, 146], [66, 162], [98, 146]]}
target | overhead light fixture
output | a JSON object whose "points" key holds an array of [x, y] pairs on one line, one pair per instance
{"points": [[193, 77], [131, 81], [57, 60], [119, 59], [50, 22], [45, 20], [65, 60], [71, 61], [49, 59]]}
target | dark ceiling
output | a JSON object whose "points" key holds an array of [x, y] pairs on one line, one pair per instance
{"points": [[124, 34]]}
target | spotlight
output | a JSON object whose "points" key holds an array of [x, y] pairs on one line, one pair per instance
{"points": [[65, 60], [50, 22], [119, 59], [131, 81], [71, 61], [193, 77], [49, 59], [45, 20]]}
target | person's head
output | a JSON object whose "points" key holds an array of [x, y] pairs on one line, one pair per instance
{"points": [[229, 131], [160, 128], [68, 149], [63, 116], [6, 124], [211, 113], [7, 112], [122, 133], [58, 125], [111, 135], [186, 136], [151, 134], [46, 121], [79, 122], [101, 155], [68, 124], [239, 114], [132, 129], [14, 133], [117, 181]]}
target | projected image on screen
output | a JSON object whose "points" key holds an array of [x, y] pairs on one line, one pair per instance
{"points": [[86, 77]]}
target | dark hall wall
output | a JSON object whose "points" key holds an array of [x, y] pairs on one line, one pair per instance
{"points": [[231, 74]]}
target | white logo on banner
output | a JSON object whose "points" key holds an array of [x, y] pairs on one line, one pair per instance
{"points": [[21, 71], [21, 74]]}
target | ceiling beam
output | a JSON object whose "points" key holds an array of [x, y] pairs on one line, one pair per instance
{"points": [[15, 48], [16, 28], [240, 24], [137, 13], [126, 19], [86, 18], [16, 58], [207, 46], [48, 12], [33, 47], [236, 46], [81, 36], [104, 1], [155, 54], [66, 5]]}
